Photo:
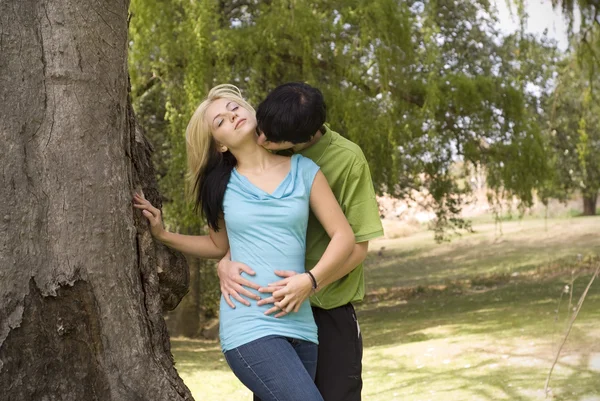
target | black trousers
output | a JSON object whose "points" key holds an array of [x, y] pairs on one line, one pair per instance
{"points": [[339, 365]]}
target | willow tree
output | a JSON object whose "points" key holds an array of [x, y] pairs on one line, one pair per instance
{"points": [[574, 135], [571, 127], [418, 85], [82, 285]]}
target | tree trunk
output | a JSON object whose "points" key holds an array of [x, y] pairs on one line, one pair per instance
{"points": [[589, 205], [82, 284]]}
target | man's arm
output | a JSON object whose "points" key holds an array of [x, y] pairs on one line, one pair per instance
{"points": [[361, 210], [358, 255]]}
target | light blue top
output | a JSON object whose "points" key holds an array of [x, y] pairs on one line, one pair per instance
{"points": [[268, 232]]}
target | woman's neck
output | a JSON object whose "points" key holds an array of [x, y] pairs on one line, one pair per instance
{"points": [[253, 158]]}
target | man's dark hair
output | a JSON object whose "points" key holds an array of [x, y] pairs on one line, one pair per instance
{"points": [[292, 112]]}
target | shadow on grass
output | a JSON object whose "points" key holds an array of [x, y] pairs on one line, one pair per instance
{"points": [[480, 382], [523, 248], [522, 307], [498, 345]]}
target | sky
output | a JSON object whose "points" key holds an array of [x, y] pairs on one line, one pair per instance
{"points": [[541, 16]]}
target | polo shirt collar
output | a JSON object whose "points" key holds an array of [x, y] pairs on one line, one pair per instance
{"points": [[316, 151]]}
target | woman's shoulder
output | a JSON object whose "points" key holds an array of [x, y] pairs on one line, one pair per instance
{"points": [[305, 167], [303, 160]]}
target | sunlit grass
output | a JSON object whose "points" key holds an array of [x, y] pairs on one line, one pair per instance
{"points": [[204, 370], [522, 246], [494, 341], [493, 345]]}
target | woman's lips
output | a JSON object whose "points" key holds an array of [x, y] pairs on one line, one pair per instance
{"points": [[243, 120]]}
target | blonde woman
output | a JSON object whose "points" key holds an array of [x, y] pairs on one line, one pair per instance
{"points": [[256, 204]]}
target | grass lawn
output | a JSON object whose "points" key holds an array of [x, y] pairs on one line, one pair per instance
{"points": [[474, 319]]}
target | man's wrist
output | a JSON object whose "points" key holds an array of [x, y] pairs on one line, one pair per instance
{"points": [[313, 281]]}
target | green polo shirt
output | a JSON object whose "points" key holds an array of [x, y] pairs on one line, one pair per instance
{"points": [[347, 171]]}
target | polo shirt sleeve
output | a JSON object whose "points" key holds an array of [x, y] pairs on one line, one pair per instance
{"points": [[360, 205]]}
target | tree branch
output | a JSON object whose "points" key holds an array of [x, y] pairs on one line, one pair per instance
{"points": [[579, 304]]}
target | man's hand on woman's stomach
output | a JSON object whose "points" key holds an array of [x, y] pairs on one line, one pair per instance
{"points": [[287, 295]]}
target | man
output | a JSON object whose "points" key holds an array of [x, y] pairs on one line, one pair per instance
{"points": [[292, 117]]}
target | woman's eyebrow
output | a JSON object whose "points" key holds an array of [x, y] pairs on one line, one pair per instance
{"points": [[218, 115]]}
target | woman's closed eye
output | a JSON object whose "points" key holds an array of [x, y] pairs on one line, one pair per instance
{"points": [[234, 108]]}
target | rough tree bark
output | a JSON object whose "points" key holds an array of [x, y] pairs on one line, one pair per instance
{"points": [[82, 285], [589, 205]]}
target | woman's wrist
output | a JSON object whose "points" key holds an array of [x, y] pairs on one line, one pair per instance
{"points": [[162, 236]]}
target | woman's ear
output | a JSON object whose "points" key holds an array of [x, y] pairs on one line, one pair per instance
{"points": [[222, 148]]}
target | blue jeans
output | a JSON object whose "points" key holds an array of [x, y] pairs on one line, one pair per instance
{"points": [[277, 368]]}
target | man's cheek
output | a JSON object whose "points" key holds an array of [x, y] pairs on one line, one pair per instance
{"points": [[262, 139]]}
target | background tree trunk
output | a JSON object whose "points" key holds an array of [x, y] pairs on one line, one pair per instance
{"points": [[187, 319], [82, 284], [589, 205], [196, 315]]}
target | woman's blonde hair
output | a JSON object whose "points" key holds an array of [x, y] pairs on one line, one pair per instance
{"points": [[198, 135], [208, 169]]}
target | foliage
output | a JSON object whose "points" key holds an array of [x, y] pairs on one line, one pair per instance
{"points": [[418, 85], [587, 12], [574, 132], [167, 65], [585, 36], [571, 112]]}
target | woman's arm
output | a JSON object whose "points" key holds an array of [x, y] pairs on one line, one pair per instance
{"points": [[327, 210], [212, 246]]}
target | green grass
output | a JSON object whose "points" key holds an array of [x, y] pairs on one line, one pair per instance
{"points": [[487, 345], [462, 326], [512, 247], [203, 369]]}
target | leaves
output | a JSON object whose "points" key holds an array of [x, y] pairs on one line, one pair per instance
{"points": [[573, 137], [418, 85]]}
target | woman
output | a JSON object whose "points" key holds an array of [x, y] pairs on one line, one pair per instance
{"points": [[256, 204]]}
